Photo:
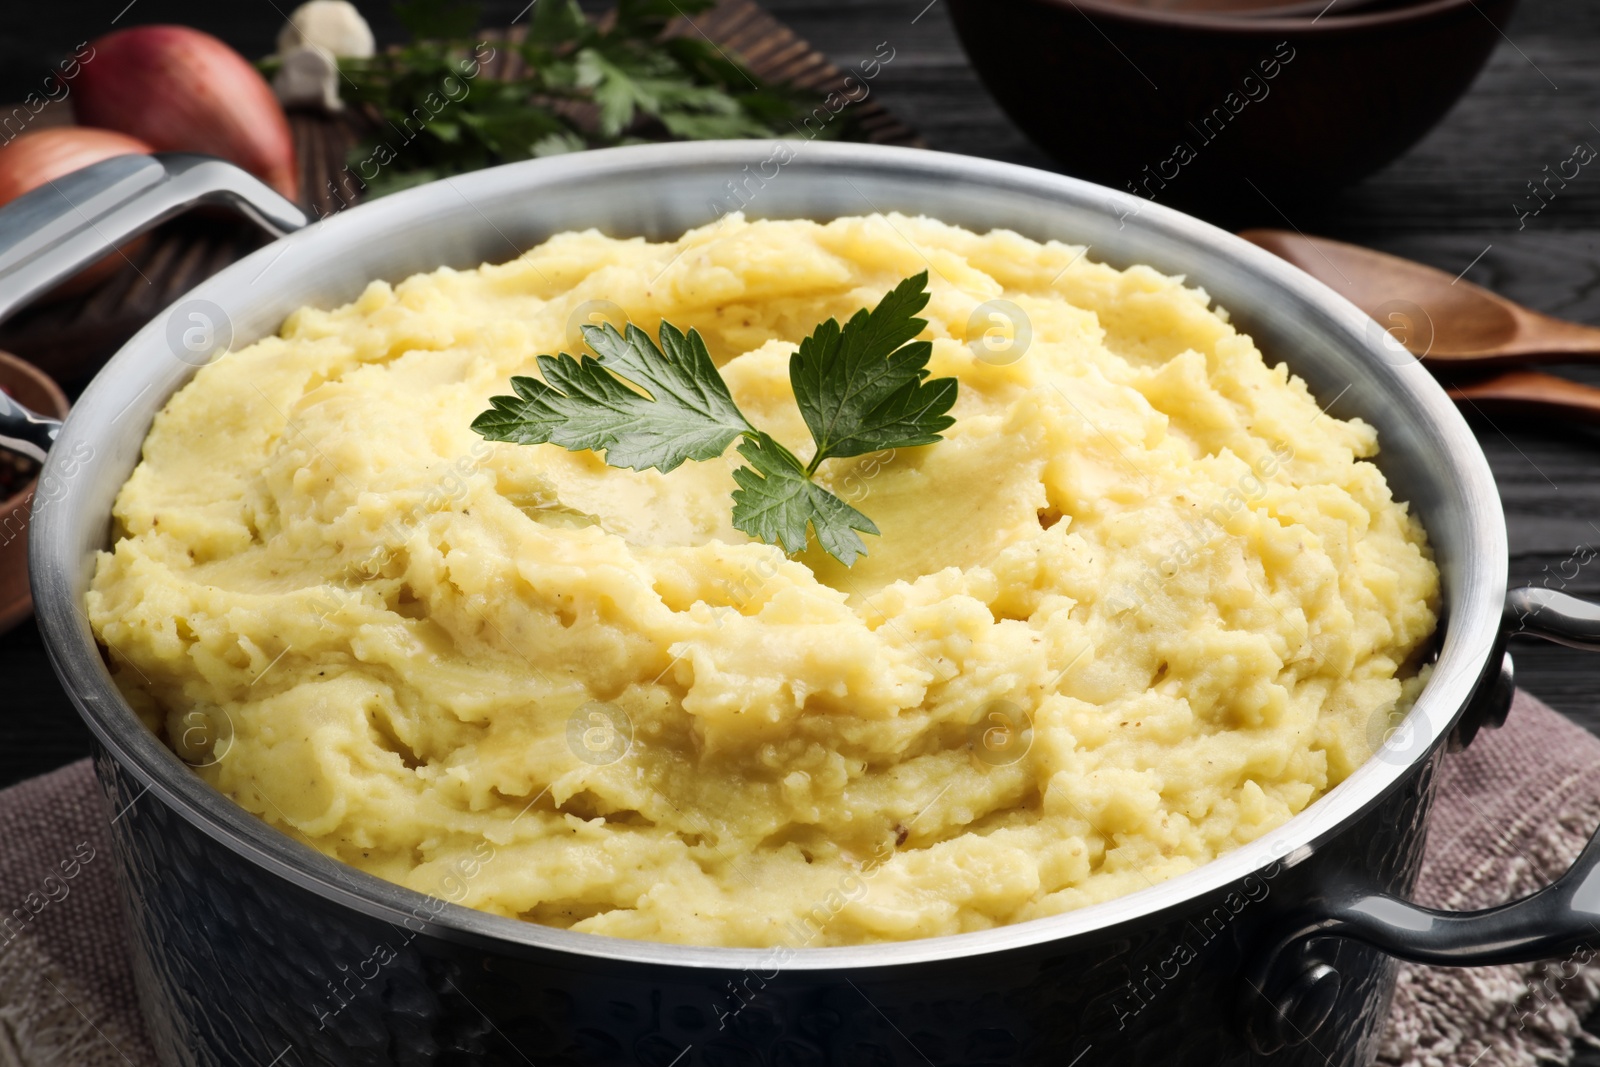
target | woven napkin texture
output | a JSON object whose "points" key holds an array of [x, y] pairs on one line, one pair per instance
{"points": [[1513, 812], [66, 989]]}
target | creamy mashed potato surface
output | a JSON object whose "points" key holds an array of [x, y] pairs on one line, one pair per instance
{"points": [[1142, 605]]}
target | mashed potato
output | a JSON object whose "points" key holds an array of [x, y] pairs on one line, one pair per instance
{"points": [[1142, 605]]}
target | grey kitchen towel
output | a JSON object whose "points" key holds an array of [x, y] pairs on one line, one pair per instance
{"points": [[1513, 811], [66, 989]]}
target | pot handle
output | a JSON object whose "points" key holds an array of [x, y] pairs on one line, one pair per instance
{"points": [[1289, 994], [61, 227]]}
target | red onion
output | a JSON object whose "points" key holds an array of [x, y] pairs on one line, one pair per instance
{"points": [[185, 91]]}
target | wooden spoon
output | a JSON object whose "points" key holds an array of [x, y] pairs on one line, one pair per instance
{"points": [[1527, 392], [1463, 325], [1458, 329]]}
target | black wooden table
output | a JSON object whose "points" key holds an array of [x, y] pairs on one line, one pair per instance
{"points": [[1448, 202]]}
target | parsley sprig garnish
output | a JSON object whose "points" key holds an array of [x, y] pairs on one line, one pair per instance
{"points": [[581, 83], [861, 387]]}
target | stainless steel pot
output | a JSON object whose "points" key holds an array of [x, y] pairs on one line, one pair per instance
{"points": [[254, 949]]}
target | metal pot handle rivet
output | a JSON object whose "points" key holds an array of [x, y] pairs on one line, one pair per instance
{"points": [[1301, 1009], [1284, 989]]}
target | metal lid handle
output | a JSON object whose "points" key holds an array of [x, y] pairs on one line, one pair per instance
{"points": [[57, 229], [61, 227]]}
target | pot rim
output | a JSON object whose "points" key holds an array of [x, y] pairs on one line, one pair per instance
{"points": [[1470, 631], [1262, 25]]}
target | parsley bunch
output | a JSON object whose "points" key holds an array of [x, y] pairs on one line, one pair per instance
{"points": [[861, 387], [585, 85]]}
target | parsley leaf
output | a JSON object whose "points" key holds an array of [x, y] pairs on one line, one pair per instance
{"points": [[776, 499], [582, 406], [862, 387]]}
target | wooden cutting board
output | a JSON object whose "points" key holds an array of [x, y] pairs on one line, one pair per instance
{"points": [[70, 338]]}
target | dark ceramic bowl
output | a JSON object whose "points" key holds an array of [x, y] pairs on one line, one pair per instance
{"points": [[1215, 112]]}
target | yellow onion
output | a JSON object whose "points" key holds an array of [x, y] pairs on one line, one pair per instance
{"points": [[45, 155], [185, 91]]}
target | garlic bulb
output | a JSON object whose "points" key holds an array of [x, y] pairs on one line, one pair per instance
{"points": [[334, 25], [308, 77]]}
